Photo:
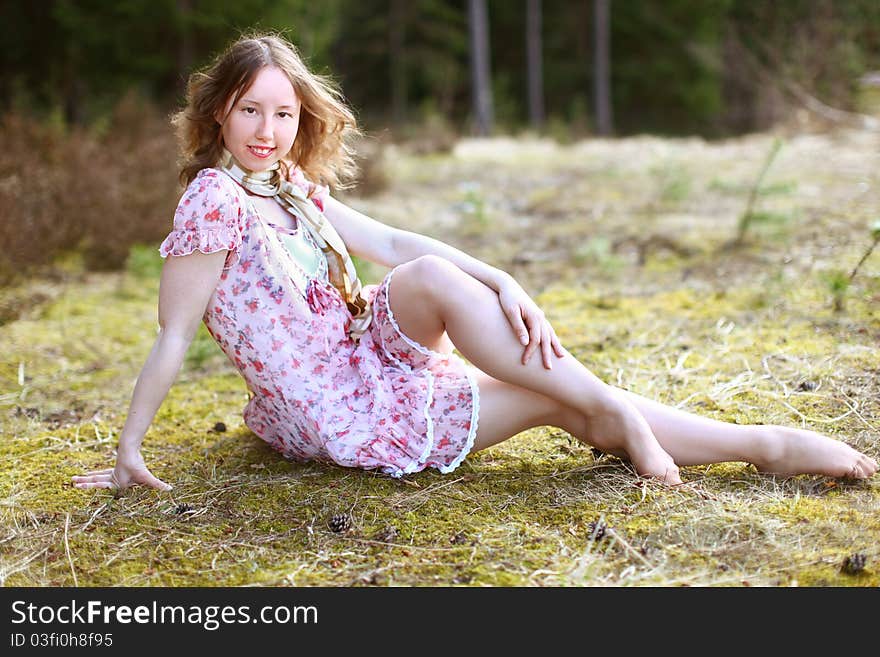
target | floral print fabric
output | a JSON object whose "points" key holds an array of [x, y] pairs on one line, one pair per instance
{"points": [[384, 402]]}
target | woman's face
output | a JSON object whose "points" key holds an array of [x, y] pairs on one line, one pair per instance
{"points": [[260, 129]]}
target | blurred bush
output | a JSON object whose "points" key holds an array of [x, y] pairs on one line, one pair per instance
{"points": [[370, 154], [94, 190]]}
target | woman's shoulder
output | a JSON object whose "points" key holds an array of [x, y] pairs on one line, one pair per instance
{"points": [[212, 177], [211, 190], [212, 183], [207, 218]]}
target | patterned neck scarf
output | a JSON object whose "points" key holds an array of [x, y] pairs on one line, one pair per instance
{"points": [[340, 268]]}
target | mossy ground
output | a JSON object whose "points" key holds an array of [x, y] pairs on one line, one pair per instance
{"points": [[625, 244]]}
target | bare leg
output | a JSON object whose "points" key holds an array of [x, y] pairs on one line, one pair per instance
{"points": [[432, 292], [695, 440], [508, 408]]}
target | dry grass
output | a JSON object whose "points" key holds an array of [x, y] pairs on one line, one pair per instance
{"points": [[746, 335]]}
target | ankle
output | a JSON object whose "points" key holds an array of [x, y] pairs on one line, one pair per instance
{"points": [[769, 444]]}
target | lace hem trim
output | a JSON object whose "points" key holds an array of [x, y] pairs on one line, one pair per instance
{"points": [[396, 472], [430, 424], [475, 398], [472, 434]]}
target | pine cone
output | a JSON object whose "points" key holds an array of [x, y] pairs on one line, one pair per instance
{"points": [[854, 563], [340, 522]]}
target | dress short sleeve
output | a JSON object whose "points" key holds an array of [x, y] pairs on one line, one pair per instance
{"points": [[317, 193], [208, 218]]}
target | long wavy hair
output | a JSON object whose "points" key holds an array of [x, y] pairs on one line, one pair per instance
{"points": [[322, 148]]}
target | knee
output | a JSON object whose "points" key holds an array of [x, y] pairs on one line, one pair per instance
{"points": [[432, 274], [433, 266]]}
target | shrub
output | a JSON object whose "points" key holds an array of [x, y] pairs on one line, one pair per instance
{"points": [[96, 190]]}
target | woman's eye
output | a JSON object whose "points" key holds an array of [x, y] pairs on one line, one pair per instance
{"points": [[249, 110], [285, 114]]}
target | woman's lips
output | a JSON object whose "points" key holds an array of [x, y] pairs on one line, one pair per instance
{"points": [[260, 151]]}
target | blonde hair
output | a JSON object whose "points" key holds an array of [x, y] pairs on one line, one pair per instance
{"points": [[322, 148]]}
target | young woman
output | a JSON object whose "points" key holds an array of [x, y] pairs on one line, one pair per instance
{"points": [[366, 377]]}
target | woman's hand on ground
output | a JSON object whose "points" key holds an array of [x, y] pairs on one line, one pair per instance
{"points": [[129, 471], [529, 323]]}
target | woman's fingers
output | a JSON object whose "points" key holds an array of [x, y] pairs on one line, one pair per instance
{"points": [[550, 345], [535, 331], [557, 344], [95, 484], [154, 482], [546, 347], [541, 337], [99, 479], [534, 339], [93, 476], [110, 479], [514, 315], [530, 325]]}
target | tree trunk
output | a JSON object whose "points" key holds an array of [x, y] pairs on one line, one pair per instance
{"points": [[602, 66], [73, 87], [185, 46], [481, 81], [535, 64], [397, 54]]}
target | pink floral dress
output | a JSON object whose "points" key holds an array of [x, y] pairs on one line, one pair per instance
{"points": [[384, 402]]}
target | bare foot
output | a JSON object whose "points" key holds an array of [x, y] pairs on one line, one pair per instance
{"points": [[792, 451], [622, 429]]}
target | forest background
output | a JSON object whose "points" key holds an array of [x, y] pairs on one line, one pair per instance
{"points": [[86, 87]]}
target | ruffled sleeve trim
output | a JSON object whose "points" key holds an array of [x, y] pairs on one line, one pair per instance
{"points": [[205, 240], [208, 218]]}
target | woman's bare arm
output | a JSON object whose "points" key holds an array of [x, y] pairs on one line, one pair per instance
{"points": [[186, 286], [388, 246], [409, 246], [364, 237]]}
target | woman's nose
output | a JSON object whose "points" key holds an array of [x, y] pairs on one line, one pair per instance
{"points": [[264, 129]]}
